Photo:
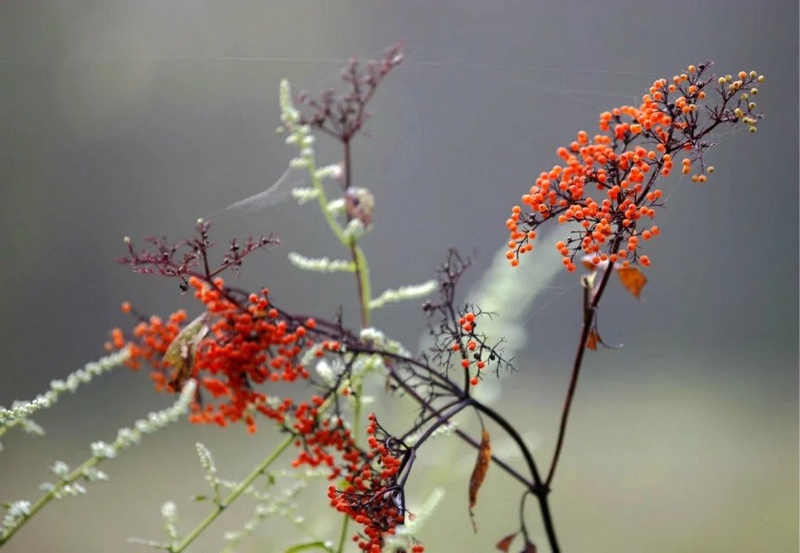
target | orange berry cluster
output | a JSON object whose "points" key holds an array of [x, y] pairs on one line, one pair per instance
{"points": [[474, 349], [152, 339], [634, 148], [321, 437], [373, 497], [246, 343], [251, 342]]}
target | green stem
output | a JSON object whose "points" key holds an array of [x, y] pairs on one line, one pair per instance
{"points": [[362, 276], [343, 534], [309, 547], [360, 260], [49, 496], [237, 491], [363, 284], [364, 288], [322, 199], [356, 432]]}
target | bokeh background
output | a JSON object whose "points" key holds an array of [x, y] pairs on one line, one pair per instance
{"points": [[133, 118]]}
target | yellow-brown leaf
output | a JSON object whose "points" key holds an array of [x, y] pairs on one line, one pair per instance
{"points": [[632, 279]]}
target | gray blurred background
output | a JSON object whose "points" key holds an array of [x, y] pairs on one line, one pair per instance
{"points": [[133, 118]]}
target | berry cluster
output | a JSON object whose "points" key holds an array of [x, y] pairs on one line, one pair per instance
{"points": [[233, 347], [635, 147], [374, 493]]}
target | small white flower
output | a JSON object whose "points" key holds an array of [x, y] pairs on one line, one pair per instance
{"points": [[169, 510], [74, 489], [102, 450], [333, 171], [354, 230], [303, 195], [127, 437], [19, 509], [404, 293], [206, 460], [60, 469], [324, 371], [298, 163], [93, 474], [336, 207], [321, 265], [231, 536], [21, 409]]}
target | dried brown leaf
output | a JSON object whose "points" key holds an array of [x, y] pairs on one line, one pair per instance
{"points": [[505, 543], [479, 473], [181, 351], [593, 339], [632, 279]]}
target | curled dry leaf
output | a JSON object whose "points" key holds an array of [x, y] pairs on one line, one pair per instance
{"points": [[182, 350], [479, 473], [593, 339], [505, 543], [632, 279]]}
